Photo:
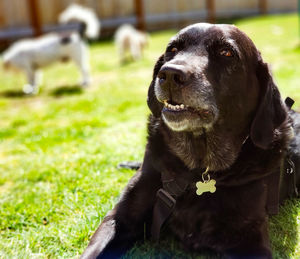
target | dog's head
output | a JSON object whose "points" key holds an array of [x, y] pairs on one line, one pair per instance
{"points": [[8, 65], [12, 58], [212, 76]]}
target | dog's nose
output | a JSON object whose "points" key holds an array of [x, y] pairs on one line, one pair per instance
{"points": [[173, 74]]}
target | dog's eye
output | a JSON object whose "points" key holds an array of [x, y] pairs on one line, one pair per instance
{"points": [[172, 50], [170, 53], [226, 53]]}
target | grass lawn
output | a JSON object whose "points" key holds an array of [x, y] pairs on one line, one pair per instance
{"points": [[59, 150]]}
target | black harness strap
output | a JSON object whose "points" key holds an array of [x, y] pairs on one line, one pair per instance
{"points": [[292, 170], [163, 208], [288, 181], [289, 102], [166, 201]]}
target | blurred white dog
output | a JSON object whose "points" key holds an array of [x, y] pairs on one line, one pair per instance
{"points": [[30, 55], [131, 41]]}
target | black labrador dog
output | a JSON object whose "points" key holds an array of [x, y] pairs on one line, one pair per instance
{"points": [[217, 138]]}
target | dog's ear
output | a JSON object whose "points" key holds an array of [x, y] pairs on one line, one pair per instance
{"points": [[154, 105], [271, 111]]}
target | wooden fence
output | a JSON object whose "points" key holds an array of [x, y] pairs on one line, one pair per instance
{"points": [[32, 17]]}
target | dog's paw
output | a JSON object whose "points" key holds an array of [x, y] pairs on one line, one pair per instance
{"points": [[85, 83], [29, 89]]}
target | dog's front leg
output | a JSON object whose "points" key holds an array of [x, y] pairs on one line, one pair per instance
{"points": [[102, 238], [81, 59], [127, 222], [32, 86], [135, 49]]}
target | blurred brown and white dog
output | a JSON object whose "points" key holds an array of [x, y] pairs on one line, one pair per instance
{"points": [[30, 55], [129, 40]]}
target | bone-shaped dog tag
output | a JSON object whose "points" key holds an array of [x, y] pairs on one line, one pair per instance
{"points": [[206, 186]]}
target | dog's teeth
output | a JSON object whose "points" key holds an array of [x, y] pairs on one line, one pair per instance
{"points": [[176, 107]]}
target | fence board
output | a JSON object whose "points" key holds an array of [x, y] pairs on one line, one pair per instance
{"points": [[282, 5], [34, 15], [188, 5], [14, 14], [2, 18]]}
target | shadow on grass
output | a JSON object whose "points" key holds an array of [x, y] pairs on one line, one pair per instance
{"points": [[13, 94], [128, 59], [126, 62], [57, 92], [66, 90], [168, 247]]}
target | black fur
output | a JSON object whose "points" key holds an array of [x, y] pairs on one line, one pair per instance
{"points": [[235, 124], [271, 112]]}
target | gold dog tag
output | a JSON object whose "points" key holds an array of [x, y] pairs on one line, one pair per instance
{"points": [[207, 186]]}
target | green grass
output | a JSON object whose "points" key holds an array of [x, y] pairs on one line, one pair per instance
{"points": [[59, 150]]}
